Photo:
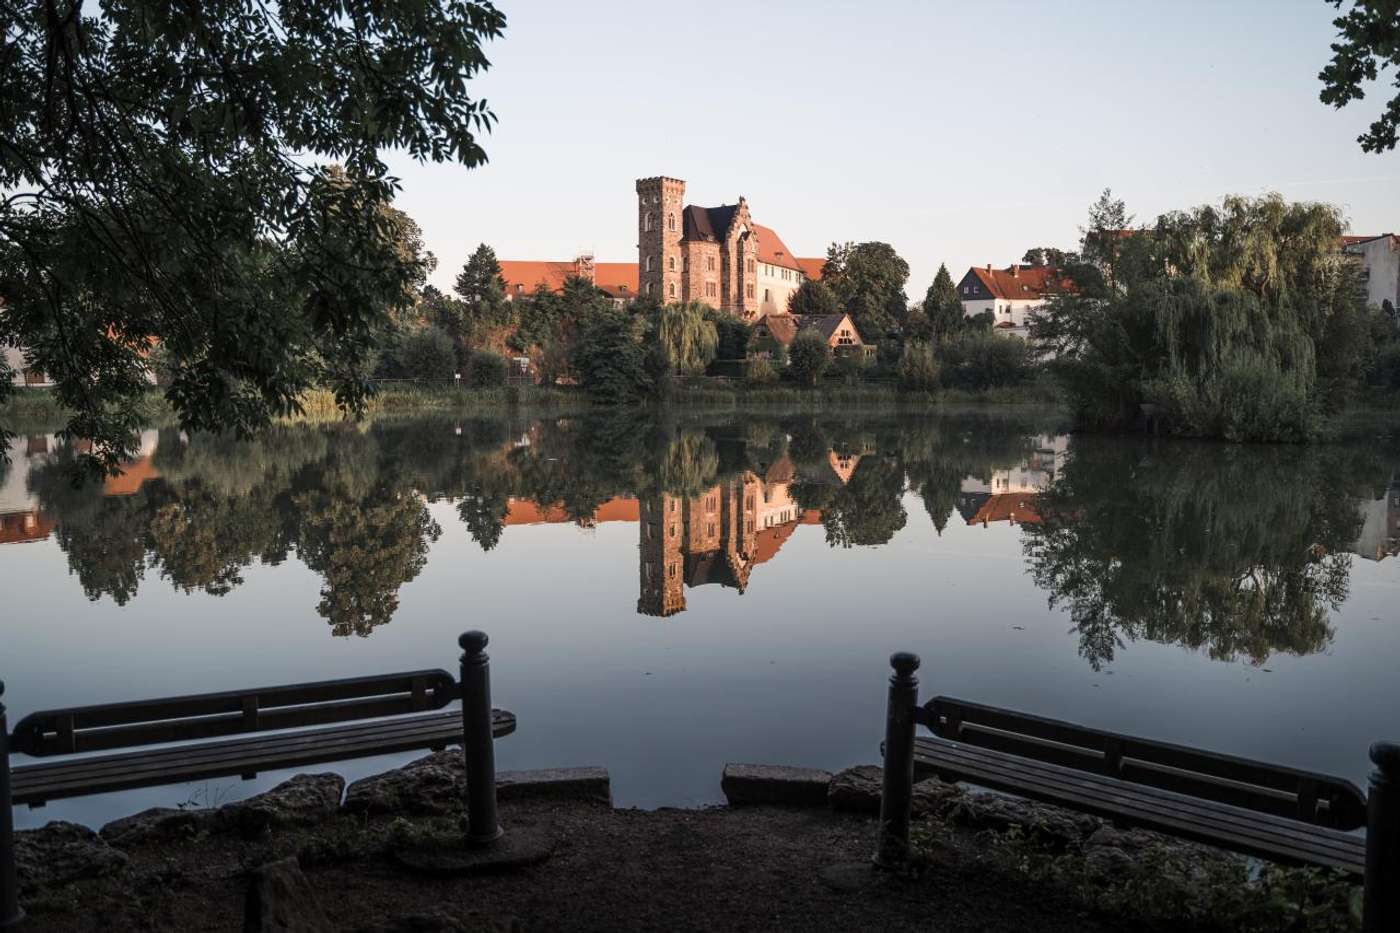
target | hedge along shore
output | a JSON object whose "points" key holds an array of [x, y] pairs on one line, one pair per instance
{"points": [[791, 852]]}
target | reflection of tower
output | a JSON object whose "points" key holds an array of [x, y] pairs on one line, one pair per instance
{"points": [[662, 563], [741, 511]]}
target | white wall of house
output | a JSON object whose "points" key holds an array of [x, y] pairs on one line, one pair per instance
{"points": [[1380, 258], [775, 286], [1016, 313]]}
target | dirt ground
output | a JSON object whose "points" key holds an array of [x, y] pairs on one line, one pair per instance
{"points": [[611, 870]]}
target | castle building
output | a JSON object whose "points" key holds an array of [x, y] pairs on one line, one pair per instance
{"points": [[714, 255]]}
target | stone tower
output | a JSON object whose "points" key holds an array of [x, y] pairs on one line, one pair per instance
{"points": [[660, 226], [662, 590]]}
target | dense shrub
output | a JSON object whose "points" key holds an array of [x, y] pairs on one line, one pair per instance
{"points": [[984, 359], [487, 369], [918, 367], [429, 354], [609, 357], [851, 366], [809, 357], [760, 373]]}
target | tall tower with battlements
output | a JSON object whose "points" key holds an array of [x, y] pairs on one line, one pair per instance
{"points": [[660, 227]]}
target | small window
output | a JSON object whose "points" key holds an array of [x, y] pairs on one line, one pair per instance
{"points": [[646, 222], [673, 289], [648, 263], [749, 266], [766, 295], [671, 263], [671, 221], [519, 288], [748, 290]]}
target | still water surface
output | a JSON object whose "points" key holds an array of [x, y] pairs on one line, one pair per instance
{"points": [[664, 597]]}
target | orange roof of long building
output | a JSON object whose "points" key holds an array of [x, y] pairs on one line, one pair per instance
{"points": [[1018, 283], [23, 527], [1012, 507], [528, 512], [772, 249], [812, 267], [525, 275]]}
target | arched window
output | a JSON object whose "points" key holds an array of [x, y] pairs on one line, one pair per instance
{"points": [[671, 263], [671, 221], [646, 222], [673, 289], [749, 265], [648, 263]]}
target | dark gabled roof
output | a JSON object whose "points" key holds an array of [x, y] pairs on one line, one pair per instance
{"points": [[708, 223], [824, 324]]}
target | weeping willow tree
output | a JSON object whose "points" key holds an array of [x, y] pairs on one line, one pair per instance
{"points": [[1240, 321], [686, 337]]}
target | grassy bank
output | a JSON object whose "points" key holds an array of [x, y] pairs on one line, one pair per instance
{"points": [[37, 411]]}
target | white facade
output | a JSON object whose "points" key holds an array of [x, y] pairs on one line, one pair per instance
{"points": [[1380, 263], [775, 287], [1011, 317], [1034, 474]]}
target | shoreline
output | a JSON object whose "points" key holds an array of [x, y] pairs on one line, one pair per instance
{"points": [[790, 851]]}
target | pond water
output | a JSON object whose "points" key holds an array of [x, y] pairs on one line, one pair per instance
{"points": [[664, 596]]}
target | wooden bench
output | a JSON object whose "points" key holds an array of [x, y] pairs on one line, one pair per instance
{"points": [[1282, 814], [243, 732], [399, 706]]}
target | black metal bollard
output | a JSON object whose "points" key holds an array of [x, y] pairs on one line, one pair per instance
{"points": [[892, 849], [10, 913], [478, 748], [1382, 896]]}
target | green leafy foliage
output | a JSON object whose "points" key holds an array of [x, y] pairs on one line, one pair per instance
{"points": [[1368, 42], [487, 369], [610, 358], [429, 354], [809, 357], [686, 337], [483, 294], [868, 282], [942, 307], [918, 367], [813, 296], [984, 359], [161, 168]]}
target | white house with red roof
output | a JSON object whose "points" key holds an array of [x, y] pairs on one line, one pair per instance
{"points": [[1013, 294]]}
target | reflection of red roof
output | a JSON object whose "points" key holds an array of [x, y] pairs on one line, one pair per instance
{"points": [[1017, 283], [133, 475], [1014, 507], [527, 512], [769, 541], [812, 267], [22, 527], [811, 517]]}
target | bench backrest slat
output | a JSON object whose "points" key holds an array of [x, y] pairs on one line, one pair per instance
{"points": [[213, 715], [1302, 795]]}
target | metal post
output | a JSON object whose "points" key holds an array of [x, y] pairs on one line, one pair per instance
{"points": [[1382, 897], [892, 849], [10, 913], [478, 749]]}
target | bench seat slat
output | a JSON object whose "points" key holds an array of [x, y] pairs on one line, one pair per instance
{"points": [[157, 763], [1151, 808], [1015, 768], [39, 783]]}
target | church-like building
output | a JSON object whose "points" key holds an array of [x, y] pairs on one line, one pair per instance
{"points": [[714, 255]]}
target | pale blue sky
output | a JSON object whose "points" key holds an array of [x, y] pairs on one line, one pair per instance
{"points": [[960, 132]]}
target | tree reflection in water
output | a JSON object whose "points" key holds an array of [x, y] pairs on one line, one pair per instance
{"points": [[1238, 551]]}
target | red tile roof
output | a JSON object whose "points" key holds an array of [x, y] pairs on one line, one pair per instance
{"points": [[1011, 507], [523, 276], [783, 326], [22, 527], [1017, 283], [772, 249], [812, 267]]}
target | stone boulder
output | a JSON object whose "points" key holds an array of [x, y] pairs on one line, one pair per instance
{"points": [[857, 790], [281, 900], [432, 785], [60, 853], [158, 824], [304, 800], [1048, 825], [1113, 854], [774, 784]]}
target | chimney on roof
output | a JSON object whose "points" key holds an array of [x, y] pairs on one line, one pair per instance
{"points": [[1015, 270], [989, 267]]}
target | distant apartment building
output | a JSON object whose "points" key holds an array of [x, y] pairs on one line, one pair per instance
{"points": [[618, 279], [1380, 524], [1379, 257], [1013, 295], [20, 374]]}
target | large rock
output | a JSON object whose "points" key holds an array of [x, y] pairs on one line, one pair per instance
{"points": [[431, 785], [303, 800], [158, 824], [774, 784], [434, 785], [1113, 854], [1053, 826], [857, 790], [60, 853], [281, 900]]}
